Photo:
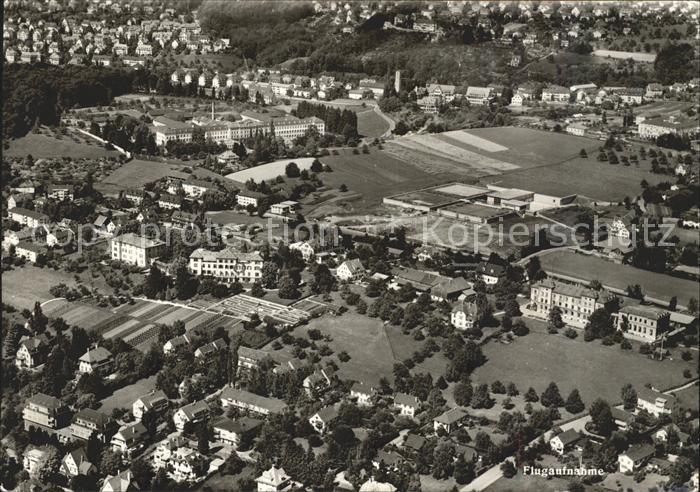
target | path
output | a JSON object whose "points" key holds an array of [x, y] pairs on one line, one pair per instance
{"points": [[51, 300]]}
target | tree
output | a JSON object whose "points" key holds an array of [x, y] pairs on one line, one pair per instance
{"points": [[550, 396], [143, 473], [508, 469], [481, 397], [583, 154], [288, 288], [203, 436], [675, 63], [629, 397], [292, 170], [600, 325], [555, 320], [601, 416], [693, 306], [574, 404], [257, 289], [463, 393], [464, 472], [531, 395]]}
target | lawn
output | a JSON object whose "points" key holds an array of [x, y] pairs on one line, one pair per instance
{"points": [[45, 146], [370, 124], [540, 358], [23, 286], [124, 397], [616, 276], [269, 171]]}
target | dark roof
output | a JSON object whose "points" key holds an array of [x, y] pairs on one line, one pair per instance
{"points": [[44, 400], [569, 437], [638, 453], [414, 442]]}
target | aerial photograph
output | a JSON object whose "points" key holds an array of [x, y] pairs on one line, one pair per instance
{"points": [[369, 246]]}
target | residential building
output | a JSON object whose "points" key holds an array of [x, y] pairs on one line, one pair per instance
{"points": [[122, 482], [576, 302], [136, 250], [188, 465], [561, 443], [274, 480], [306, 248], [316, 382], [363, 392], [231, 432], [643, 323], [249, 359], [654, 90], [635, 457], [463, 315], [169, 202], [45, 412], [451, 289], [95, 360], [227, 265], [284, 208], [247, 197], [192, 413], [28, 218], [129, 439], [407, 405], [450, 420], [663, 434], [480, 96], [246, 400], [322, 419], [490, 272], [351, 270], [155, 401], [172, 345], [60, 192], [29, 251], [88, 422], [34, 460], [75, 463], [632, 95], [655, 402], [208, 350], [556, 93], [32, 352]]}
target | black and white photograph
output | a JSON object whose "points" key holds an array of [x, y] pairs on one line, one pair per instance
{"points": [[350, 246]]}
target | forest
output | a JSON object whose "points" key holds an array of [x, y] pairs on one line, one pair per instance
{"points": [[40, 94]]}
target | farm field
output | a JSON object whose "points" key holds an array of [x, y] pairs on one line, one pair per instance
{"points": [[584, 177], [372, 346], [587, 268], [269, 171], [45, 146], [376, 175], [540, 358]]}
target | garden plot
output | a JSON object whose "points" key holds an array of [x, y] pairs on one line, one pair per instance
{"points": [[121, 329]]}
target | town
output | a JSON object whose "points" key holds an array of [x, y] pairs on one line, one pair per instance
{"points": [[350, 246]]}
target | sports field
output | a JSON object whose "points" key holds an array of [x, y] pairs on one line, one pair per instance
{"points": [[540, 358], [587, 268]]}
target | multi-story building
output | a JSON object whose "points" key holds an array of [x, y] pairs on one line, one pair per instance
{"points": [[129, 439], [406, 404], [29, 218], [363, 392], [95, 360], [479, 96], [227, 265], [59, 192], [556, 93], [32, 352], [642, 323], [231, 432], [88, 422], [156, 401], [244, 400], [136, 250], [169, 202], [188, 465], [194, 412], [463, 315], [576, 302], [45, 412], [654, 127]]}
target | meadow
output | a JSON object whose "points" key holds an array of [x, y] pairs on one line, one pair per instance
{"points": [[41, 145], [540, 358]]}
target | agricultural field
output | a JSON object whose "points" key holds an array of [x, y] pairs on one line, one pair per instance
{"points": [[373, 174], [616, 276], [46, 145], [540, 358]]}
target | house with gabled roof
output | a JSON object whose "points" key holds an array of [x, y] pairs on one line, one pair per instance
{"points": [[316, 382], [129, 439], [88, 422], [351, 270], [32, 352], [450, 419], [96, 359], [635, 457], [192, 413], [407, 405], [363, 392], [561, 443], [231, 432], [75, 463], [155, 401], [323, 418], [210, 349]]}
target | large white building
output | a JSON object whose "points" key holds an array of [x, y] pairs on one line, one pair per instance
{"points": [[227, 265], [136, 250], [576, 302], [642, 323], [654, 127]]}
